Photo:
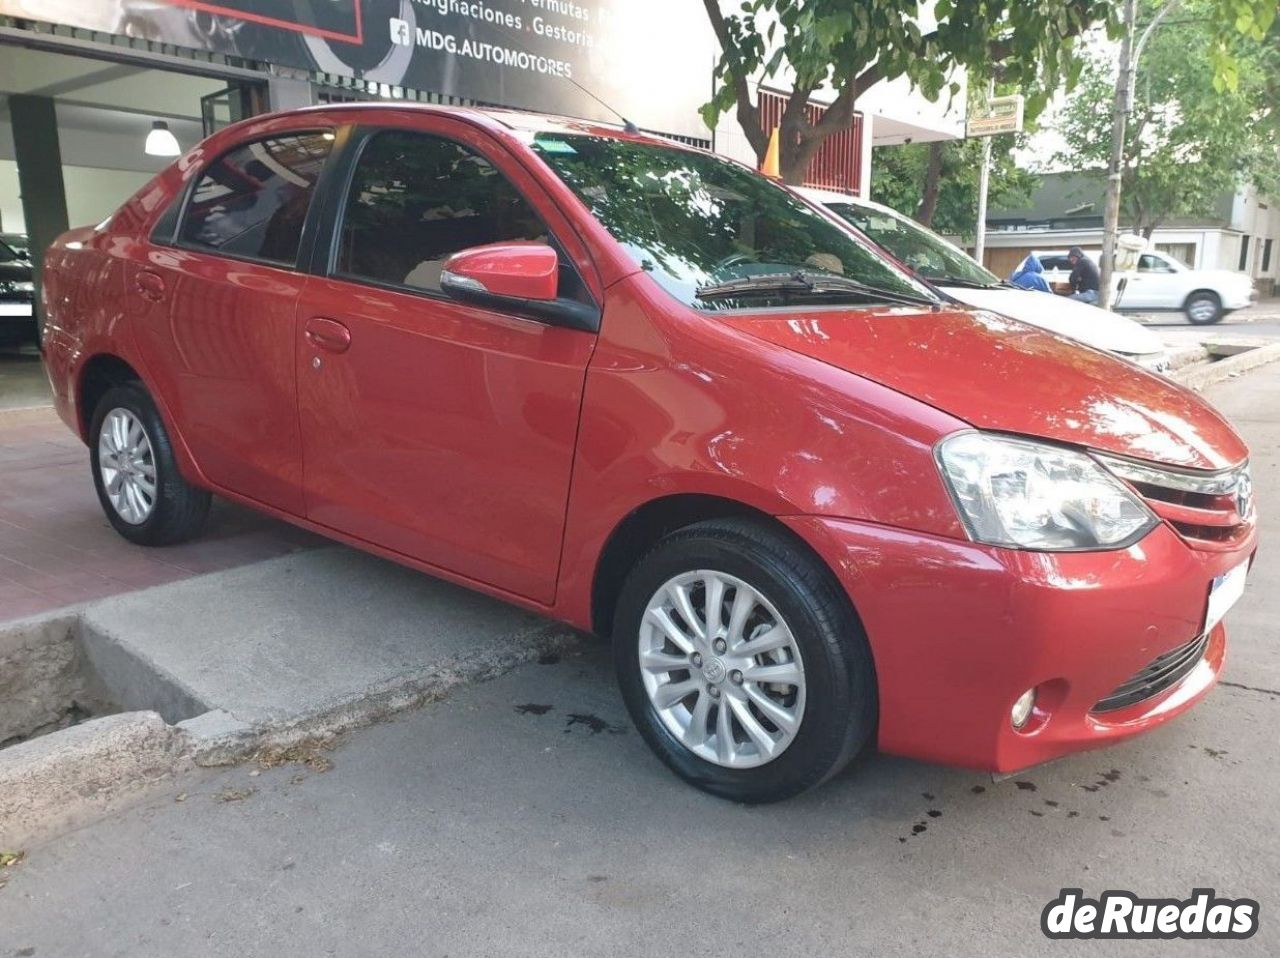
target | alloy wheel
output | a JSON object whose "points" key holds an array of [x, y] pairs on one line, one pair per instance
{"points": [[722, 669], [127, 465]]}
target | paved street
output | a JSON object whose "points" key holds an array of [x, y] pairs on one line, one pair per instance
{"points": [[1261, 321], [525, 817]]}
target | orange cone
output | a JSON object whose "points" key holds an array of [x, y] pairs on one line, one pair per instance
{"points": [[771, 165]]}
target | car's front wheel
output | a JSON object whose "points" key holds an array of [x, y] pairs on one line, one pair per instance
{"points": [[1203, 307], [742, 662], [134, 471]]}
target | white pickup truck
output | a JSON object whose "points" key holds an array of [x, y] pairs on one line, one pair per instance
{"points": [[1162, 283], [960, 276]]}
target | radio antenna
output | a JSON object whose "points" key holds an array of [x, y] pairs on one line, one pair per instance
{"points": [[627, 125]]}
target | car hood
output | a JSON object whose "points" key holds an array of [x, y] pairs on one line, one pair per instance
{"points": [[15, 272], [999, 374], [1218, 277], [1067, 317]]}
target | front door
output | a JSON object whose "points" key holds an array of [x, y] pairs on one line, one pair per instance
{"points": [[440, 430], [1151, 285], [218, 333]]}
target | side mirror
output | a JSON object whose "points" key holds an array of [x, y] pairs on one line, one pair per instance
{"points": [[518, 271], [521, 278]]}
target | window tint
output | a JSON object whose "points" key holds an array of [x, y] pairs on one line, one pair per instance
{"points": [[417, 199], [252, 202]]}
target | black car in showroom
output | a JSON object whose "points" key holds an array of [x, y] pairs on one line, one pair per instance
{"points": [[17, 299]]}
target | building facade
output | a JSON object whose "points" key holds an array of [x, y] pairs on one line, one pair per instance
{"points": [[90, 79]]}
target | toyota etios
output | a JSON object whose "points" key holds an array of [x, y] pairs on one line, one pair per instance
{"points": [[642, 389]]}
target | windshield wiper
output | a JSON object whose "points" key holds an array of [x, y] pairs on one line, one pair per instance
{"points": [[805, 282], [964, 283]]}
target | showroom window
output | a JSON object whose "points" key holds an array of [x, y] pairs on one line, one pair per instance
{"points": [[417, 199], [253, 201]]}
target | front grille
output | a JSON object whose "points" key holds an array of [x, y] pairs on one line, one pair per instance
{"points": [[1164, 672], [1210, 510]]}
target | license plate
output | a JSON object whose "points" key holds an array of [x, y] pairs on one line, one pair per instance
{"points": [[15, 309], [1224, 591]]}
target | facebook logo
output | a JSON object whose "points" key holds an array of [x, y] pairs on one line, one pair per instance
{"points": [[401, 32]]}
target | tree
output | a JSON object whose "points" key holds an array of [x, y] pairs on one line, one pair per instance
{"points": [[937, 183], [849, 46], [1193, 134]]}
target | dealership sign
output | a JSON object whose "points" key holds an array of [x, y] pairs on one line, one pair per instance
{"points": [[535, 54]]}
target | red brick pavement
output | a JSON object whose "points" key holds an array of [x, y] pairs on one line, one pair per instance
{"points": [[57, 548]]}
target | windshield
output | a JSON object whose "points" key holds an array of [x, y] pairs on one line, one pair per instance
{"points": [[926, 252], [7, 254], [692, 220]]}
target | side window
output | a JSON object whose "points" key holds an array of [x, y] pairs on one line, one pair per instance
{"points": [[253, 200], [416, 199], [1152, 264]]}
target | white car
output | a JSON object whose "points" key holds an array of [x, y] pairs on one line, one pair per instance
{"points": [[960, 276], [1162, 283]]}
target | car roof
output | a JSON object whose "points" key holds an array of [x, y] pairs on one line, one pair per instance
{"points": [[832, 196], [515, 120]]}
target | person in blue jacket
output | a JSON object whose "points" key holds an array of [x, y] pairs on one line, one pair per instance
{"points": [[1030, 275]]}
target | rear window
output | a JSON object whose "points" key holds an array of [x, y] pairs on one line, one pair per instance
{"points": [[253, 200]]}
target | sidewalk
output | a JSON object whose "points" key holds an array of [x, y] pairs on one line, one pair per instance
{"points": [[57, 548], [525, 817]]}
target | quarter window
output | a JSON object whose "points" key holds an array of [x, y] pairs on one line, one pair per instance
{"points": [[417, 199], [253, 201]]}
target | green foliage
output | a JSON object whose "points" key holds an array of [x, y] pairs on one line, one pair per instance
{"points": [[1195, 132], [848, 45], [834, 42], [898, 176]]}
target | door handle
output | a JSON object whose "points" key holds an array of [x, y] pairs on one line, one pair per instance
{"points": [[328, 334], [149, 285]]}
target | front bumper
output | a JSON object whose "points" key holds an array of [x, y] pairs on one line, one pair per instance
{"points": [[959, 631], [1239, 299], [1154, 362]]}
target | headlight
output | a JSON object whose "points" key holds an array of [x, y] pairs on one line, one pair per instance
{"points": [[1028, 495]]}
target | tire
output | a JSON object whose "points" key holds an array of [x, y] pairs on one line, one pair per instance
{"points": [[832, 707], [1203, 307], [177, 509]]}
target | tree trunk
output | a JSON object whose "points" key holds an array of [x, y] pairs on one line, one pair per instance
{"points": [[794, 158], [932, 183]]}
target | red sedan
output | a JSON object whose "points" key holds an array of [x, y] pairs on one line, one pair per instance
{"points": [[640, 388]]}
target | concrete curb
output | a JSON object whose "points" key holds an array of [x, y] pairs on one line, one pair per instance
{"points": [[1185, 356], [69, 778], [219, 738], [1202, 377]]}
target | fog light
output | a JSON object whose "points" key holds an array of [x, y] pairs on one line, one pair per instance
{"points": [[1022, 708]]}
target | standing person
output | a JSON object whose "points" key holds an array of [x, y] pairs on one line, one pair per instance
{"points": [[1084, 276], [1030, 275]]}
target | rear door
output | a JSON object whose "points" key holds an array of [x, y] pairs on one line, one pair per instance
{"points": [[218, 338], [441, 430]]}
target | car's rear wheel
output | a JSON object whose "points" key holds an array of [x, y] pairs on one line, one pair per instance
{"points": [[142, 493], [742, 662], [1203, 307]]}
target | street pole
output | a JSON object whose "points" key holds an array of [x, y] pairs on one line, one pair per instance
{"points": [[984, 181], [1119, 119]]}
